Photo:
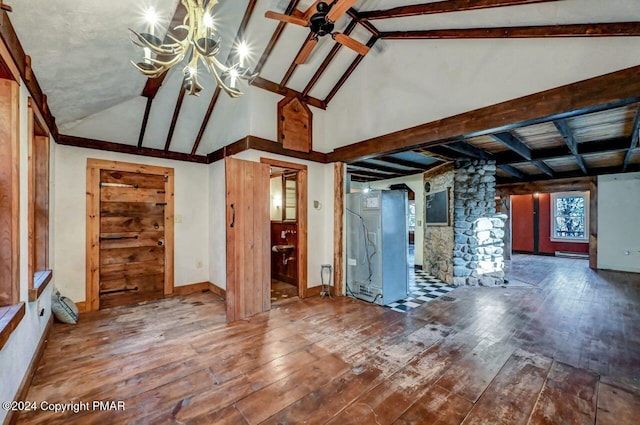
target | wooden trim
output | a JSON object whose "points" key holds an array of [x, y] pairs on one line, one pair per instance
{"points": [[190, 289], [25, 384], [217, 290], [145, 120], [10, 318], [338, 227], [10, 181], [82, 307], [294, 65], [598, 93], [275, 37], [302, 219], [443, 7], [314, 291], [610, 29], [93, 224], [635, 135], [545, 186], [270, 146], [9, 63], [593, 223], [41, 280], [205, 120], [82, 142], [284, 91]]}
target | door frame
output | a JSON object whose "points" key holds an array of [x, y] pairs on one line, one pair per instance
{"points": [[302, 220], [94, 166]]}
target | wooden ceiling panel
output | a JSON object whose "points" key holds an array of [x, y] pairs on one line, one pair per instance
{"points": [[635, 157], [605, 159], [561, 165], [604, 125], [503, 174], [488, 143], [528, 169], [540, 136]]}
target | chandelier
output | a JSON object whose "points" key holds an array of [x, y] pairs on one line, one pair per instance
{"points": [[200, 45]]}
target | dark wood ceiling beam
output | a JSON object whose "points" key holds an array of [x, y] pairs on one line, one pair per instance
{"points": [[366, 173], [513, 143], [366, 24], [595, 94], [403, 162], [348, 72], [542, 166], [512, 170], [275, 37], [467, 149], [590, 148], [130, 149], [205, 120], [377, 167], [634, 141], [174, 119], [294, 65], [443, 7], [617, 29], [441, 154], [593, 172], [332, 54], [152, 86], [572, 144], [145, 120], [284, 91]]}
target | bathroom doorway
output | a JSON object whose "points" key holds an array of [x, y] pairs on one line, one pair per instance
{"points": [[288, 215]]}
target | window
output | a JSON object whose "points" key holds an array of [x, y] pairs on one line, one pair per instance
{"points": [[570, 217], [39, 273], [411, 216]]}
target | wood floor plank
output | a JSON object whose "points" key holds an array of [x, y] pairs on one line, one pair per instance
{"points": [[617, 405], [568, 397], [437, 407], [513, 393]]}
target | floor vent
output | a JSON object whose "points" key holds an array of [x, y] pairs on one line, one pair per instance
{"points": [[446, 298], [571, 254]]}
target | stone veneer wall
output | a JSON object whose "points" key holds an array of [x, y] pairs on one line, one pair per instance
{"points": [[478, 253], [439, 240]]}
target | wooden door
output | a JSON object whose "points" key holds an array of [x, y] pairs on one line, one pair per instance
{"points": [[132, 237], [248, 239]]}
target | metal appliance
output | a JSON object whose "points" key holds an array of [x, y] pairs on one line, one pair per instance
{"points": [[377, 246]]}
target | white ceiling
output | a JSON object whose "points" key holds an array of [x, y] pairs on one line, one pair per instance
{"points": [[80, 52]]}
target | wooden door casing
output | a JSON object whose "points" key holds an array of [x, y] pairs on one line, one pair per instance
{"points": [[248, 239], [129, 220]]}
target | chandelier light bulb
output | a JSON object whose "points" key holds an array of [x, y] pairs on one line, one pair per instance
{"points": [[207, 20], [151, 16]]}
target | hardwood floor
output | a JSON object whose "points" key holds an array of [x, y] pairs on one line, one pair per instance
{"points": [[566, 351]]}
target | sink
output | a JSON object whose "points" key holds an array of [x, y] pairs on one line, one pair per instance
{"points": [[283, 249]]}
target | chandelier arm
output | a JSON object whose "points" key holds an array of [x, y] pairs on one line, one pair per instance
{"points": [[151, 73], [163, 49], [169, 63], [219, 65], [212, 69]]}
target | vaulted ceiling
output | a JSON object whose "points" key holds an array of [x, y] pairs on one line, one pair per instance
{"points": [[429, 60]]}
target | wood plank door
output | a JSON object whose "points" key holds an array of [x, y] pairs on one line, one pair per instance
{"points": [[248, 239], [132, 237]]}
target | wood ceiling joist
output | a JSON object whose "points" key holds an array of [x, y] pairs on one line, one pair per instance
{"points": [[595, 94], [232, 55], [577, 174], [275, 37], [145, 120], [284, 91], [512, 170], [513, 143], [542, 166], [567, 134], [152, 85], [467, 149], [130, 149], [366, 24], [332, 54], [174, 118], [403, 162], [634, 141], [348, 72], [205, 120], [372, 174], [294, 65], [383, 168], [617, 29], [443, 7]]}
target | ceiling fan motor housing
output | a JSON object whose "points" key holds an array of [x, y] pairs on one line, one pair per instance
{"points": [[319, 23]]}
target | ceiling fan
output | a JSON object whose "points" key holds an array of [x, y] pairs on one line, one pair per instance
{"points": [[320, 18]]}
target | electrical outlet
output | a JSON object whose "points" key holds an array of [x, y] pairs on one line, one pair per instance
{"points": [[177, 218]]}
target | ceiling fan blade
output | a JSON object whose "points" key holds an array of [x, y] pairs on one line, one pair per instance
{"points": [[286, 18], [312, 10], [349, 42], [340, 9], [304, 53]]}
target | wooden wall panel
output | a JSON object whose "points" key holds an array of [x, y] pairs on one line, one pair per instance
{"points": [[338, 227]]}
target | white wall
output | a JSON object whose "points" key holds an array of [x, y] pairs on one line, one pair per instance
{"points": [[17, 353], [618, 222], [217, 225], [320, 220], [191, 203], [275, 186], [415, 182]]}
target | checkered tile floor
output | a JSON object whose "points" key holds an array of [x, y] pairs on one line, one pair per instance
{"points": [[423, 288]]}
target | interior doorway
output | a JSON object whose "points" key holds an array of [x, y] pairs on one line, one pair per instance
{"points": [[288, 229]]}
